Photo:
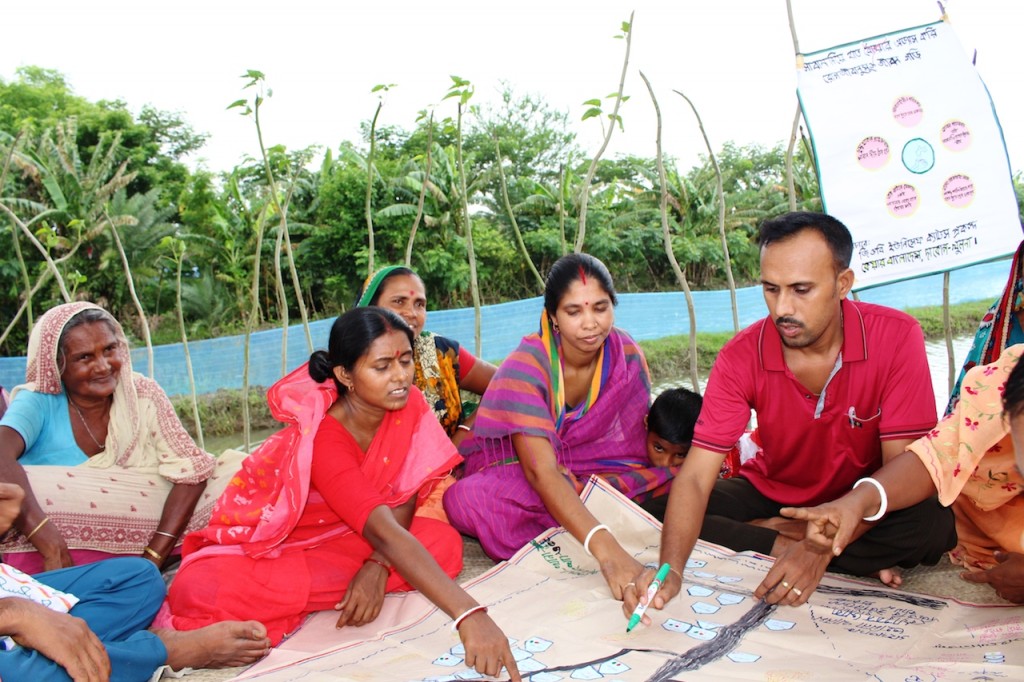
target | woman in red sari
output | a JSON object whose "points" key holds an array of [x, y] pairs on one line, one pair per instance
{"points": [[323, 515]]}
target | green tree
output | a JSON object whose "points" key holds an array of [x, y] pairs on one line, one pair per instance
{"points": [[154, 143]]}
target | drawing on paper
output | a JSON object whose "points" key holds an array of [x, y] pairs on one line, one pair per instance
{"points": [[552, 602]]}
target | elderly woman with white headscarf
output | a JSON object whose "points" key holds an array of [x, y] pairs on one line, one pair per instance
{"points": [[106, 465]]}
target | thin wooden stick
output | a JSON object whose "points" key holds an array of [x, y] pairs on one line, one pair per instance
{"points": [[585, 190], [667, 239]]}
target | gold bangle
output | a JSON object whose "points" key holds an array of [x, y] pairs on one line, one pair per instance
{"points": [[672, 570], [46, 520], [153, 553]]}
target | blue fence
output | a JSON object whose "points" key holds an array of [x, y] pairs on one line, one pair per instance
{"points": [[218, 363]]}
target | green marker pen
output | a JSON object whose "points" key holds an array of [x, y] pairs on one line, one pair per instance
{"points": [[652, 590]]}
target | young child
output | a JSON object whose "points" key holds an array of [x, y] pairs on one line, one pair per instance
{"points": [[670, 423]]}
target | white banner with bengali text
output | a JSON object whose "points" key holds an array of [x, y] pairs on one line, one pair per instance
{"points": [[910, 153]]}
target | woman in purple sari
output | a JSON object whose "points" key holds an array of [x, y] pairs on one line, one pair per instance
{"points": [[569, 402]]}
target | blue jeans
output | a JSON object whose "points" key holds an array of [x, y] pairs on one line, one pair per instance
{"points": [[118, 600]]}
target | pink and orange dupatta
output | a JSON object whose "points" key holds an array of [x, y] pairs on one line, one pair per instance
{"points": [[261, 506]]}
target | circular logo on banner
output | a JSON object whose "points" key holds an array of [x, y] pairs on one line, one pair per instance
{"points": [[902, 200], [907, 111], [918, 156], [955, 136], [958, 191], [872, 152]]}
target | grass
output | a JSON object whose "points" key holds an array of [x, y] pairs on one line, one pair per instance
{"points": [[221, 412], [963, 317], [668, 358]]}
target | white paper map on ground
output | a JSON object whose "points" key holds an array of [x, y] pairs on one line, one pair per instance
{"points": [[910, 153], [553, 604]]}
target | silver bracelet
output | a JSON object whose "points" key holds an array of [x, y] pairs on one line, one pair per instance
{"points": [[465, 614], [165, 534], [586, 541], [883, 505]]}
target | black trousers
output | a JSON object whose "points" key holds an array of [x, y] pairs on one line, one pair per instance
{"points": [[917, 535]]}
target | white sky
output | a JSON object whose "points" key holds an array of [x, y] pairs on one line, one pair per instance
{"points": [[733, 58]]}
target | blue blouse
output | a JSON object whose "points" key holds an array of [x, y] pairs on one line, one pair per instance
{"points": [[44, 423]]}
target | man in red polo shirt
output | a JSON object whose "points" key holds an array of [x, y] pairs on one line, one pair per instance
{"points": [[839, 387]]}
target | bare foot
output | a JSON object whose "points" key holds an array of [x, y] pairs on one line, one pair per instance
{"points": [[890, 577], [221, 645], [790, 528]]}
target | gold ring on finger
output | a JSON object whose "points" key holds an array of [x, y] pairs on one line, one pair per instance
{"points": [[785, 584], [796, 591], [633, 585]]}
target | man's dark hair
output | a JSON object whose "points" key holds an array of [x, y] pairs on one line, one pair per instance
{"points": [[789, 224]]}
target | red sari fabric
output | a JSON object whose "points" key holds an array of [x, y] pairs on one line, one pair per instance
{"points": [[277, 548]]}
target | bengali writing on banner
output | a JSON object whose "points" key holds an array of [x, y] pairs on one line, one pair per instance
{"points": [[910, 153]]}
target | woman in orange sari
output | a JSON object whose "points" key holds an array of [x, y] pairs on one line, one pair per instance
{"points": [[972, 459], [323, 515]]}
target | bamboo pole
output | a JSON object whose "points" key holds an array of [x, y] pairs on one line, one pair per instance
{"points": [[143, 320], [369, 189], [180, 258], [563, 169], [282, 299], [14, 233], [667, 238], [42, 250], [721, 208], [947, 330], [250, 322], [40, 281], [512, 217], [423, 191], [790, 182], [796, 118], [295, 274], [585, 189], [283, 226], [792, 27], [43, 278], [474, 287]]}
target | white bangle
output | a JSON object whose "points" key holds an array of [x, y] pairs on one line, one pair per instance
{"points": [[883, 505], [586, 541], [466, 614], [463, 427]]}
